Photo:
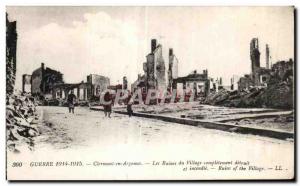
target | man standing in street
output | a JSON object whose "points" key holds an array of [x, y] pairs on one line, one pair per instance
{"points": [[108, 104], [129, 105], [71, 101]]}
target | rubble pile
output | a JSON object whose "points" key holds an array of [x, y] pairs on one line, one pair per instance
{"points": [[278, 95], [21, 118], [276, 92], [217, 98]]}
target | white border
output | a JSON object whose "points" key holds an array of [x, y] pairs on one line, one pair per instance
{"points": [[4, 3]]}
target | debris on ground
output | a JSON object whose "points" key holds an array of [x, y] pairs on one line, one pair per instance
{"points": [[278, 95], [21, 118]]}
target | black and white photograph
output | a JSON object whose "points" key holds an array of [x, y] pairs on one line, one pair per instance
{"points": [[150, 93]]}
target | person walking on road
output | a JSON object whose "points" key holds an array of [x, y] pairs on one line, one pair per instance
{"points": [[129, 105], [71, 101], [108, 105]]}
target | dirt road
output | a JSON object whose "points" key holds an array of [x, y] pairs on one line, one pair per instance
{"points": [[87, 136]]}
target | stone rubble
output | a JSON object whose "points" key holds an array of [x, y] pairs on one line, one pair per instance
{"points": [[277, 95], [21, 118]]}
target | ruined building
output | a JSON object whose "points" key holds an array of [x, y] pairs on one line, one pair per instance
{"points": [[217, 84], [173, 68], [245, 82], [254, 54], [99, 84], [84, 91], [26, 83], [259, 75], [61, 90], [154, 76], [43, 80], [194, 82], [140, 83], [154, 69], [283, 69], [11, 54], [255, 60], [49, 84]]}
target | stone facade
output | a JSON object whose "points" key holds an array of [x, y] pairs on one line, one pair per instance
{"points": [[99, 84], [283, 68], [26, 83], [196, 82], [84, 91], [11, 54], [173, 68], [160, 69], [149, 67], [139, 83], [49, 84], [62, 90], [154, 68], [259, 75], [43, 80], [254, 54], [245, 82]]}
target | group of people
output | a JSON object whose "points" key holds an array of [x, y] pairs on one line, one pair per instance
{"points": [[108, 107], [71, 99]]}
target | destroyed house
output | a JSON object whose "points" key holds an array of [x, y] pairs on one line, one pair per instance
{"points": [[140, 83], [80, 90], [199, 83], [154, 68], [44, 79], [283, 68], [98, 84]]}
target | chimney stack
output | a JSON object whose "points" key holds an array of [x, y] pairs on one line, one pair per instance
{"points": [[153, 45], [171, 52], [254, 55], [267, 56]]}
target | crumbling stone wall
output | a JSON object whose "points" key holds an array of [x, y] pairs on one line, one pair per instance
{"points": [[173, 68], [11, 54], [160, 69]]}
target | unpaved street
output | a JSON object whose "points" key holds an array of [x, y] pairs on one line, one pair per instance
{"points": [[89, 137], [85, 128]]}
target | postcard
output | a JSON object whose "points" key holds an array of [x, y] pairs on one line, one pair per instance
{"points": [[150, 93]]}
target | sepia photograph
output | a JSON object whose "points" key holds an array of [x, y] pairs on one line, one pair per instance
{"points": [[150, 93]]}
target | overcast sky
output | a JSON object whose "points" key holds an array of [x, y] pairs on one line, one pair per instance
{"points": [[113, 41]]}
